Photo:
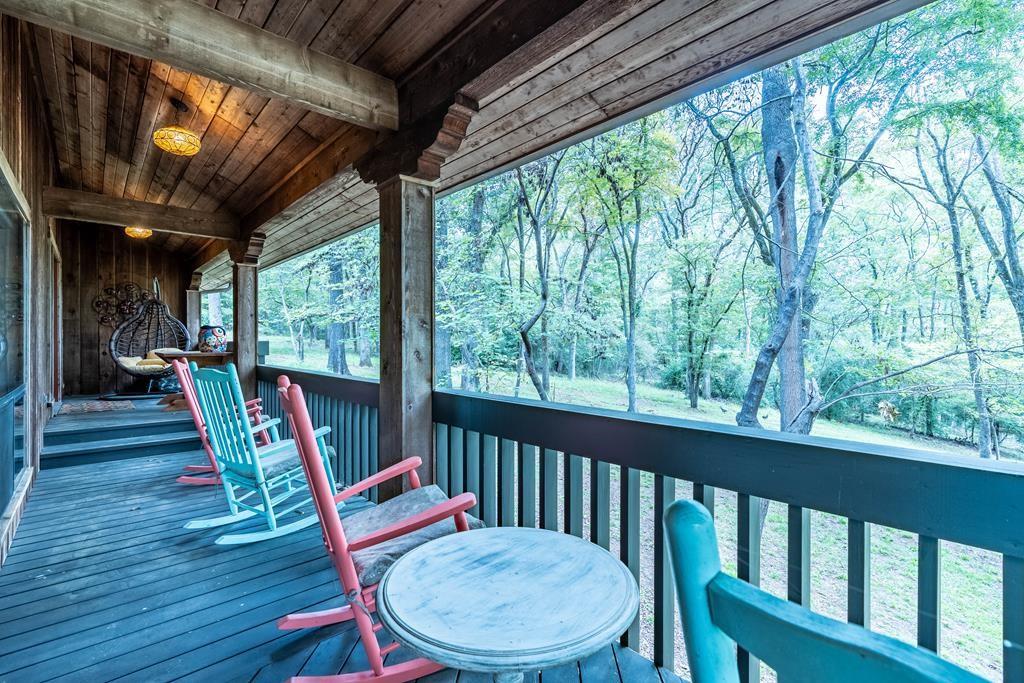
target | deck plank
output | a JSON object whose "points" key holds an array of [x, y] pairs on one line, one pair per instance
{"points": [[104, 583]]}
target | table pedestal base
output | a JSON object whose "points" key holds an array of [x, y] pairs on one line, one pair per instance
{"points": [[508, 677]]}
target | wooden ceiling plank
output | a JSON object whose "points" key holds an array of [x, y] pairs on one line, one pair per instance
{"points": [[82, 83], [643, 39], [142, 142], [135, 91], [99, 71], [405, 41], [52, 93], [356, 25], [117, 92], [166, 114], [91, 207], [195, 38]]}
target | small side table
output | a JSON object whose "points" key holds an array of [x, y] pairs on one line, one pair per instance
{"points": [[507, 600]]}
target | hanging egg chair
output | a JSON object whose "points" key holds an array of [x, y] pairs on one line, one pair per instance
{"points": [[134, 345]]}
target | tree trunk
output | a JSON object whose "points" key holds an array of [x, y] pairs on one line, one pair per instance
{"points": [[363, 345], [336, 360], [785, 342]]}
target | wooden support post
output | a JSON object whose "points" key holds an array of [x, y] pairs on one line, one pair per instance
{"points": [[193, 308], [406, 326], [245, 257]]}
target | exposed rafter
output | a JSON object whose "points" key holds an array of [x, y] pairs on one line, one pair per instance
{"points": [[195, 38], [89, 207]]}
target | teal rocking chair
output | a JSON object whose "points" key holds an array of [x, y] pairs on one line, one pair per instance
{"points": [[258, 480], [720, 612]]}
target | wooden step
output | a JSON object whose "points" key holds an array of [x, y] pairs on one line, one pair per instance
{"points": [[105, 449], [60, 432]]}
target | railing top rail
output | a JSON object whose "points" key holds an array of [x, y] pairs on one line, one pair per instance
{"points": [[352, 389], [980, 503]]}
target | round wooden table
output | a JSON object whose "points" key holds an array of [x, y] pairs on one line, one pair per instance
{"points": [[507, 600]]}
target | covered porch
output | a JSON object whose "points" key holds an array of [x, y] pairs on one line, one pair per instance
{"points": [[398, 103]]}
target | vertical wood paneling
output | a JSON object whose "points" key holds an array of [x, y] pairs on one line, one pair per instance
{"points": [[629, 538], [664, 593], [527, 507], [549, 489], [798, 553], [95, 258], [748, 568], [507, 483], [572, 506], [1013, 618], [489, 481], [929, 599], [600, 503], [858, 590]]}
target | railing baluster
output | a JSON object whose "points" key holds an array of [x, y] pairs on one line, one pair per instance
{"points": [[489, 483], [705, 495], [1013, 618], [456, 461], [472, 469], [347, 430], [549, 489], [364, 441], [858, 583], [799, 555], [441, 458], [572, 482], [664, 594], [507, 483], [600, 503], [374, 462], [629, 538], [527, 485], [748, 568], [929, 573]]}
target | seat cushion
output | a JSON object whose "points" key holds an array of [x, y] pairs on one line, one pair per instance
{"points": [[275, 464], [372, 562]]}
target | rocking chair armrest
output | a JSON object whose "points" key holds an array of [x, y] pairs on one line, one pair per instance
{"points": [[272, 448], [459, 504], [253, 403], [266, 424], [395, 470], [321, 431]]}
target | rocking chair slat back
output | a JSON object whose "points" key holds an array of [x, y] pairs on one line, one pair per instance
{"points": [[227, 424]]}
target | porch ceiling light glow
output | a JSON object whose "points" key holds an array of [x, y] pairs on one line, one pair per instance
{"points": [[177, 140], [138, 232]]}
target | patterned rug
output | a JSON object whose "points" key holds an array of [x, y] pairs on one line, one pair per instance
{"points": [[94, 407]]}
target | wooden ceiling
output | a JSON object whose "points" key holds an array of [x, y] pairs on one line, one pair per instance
{"points": [[104, 104]]}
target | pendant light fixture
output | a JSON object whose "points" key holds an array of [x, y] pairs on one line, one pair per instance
{"points": [[138, 232], [177, 139]]}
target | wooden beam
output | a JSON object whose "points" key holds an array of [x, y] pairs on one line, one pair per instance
{"points": [[192, 37], [89, 207], [497, 46], [406, 326], [327, 162], [245, 258]]}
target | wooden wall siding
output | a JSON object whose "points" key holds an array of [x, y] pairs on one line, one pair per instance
{"points": [[96, 257], [25, 141], [658, 48], [104, 105]]}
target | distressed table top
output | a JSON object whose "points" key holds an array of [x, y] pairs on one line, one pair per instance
{"points": [[507, 599]]}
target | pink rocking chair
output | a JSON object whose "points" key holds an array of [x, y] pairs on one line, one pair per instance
{"points": [[361, 563], [254, 409]]}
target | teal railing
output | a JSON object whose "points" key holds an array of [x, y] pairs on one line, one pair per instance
{"points": [[558, 466]]}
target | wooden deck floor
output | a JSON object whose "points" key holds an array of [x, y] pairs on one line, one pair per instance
{"points": [[104, 584]]}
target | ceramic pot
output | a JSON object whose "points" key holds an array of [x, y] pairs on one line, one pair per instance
{"points": [[212, 339]]}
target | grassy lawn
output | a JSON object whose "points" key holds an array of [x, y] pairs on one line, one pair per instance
{"points": [[971, 578]]}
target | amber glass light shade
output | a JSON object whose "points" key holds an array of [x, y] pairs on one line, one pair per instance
{"points": [[137, 232], [177, 140]]}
